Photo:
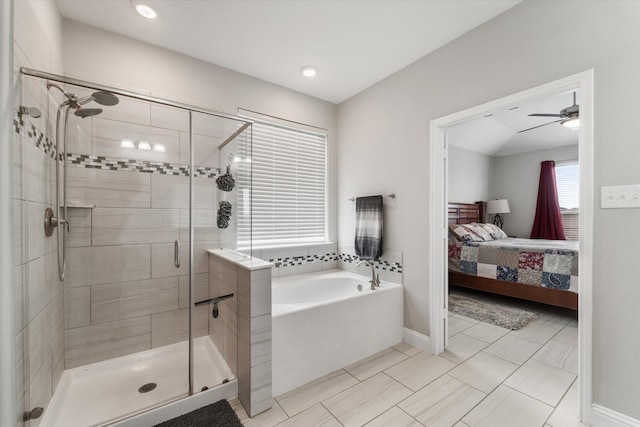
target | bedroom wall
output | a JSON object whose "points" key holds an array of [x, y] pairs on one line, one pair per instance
{"points": [[463, 164], [386, 127], [516, 178]]}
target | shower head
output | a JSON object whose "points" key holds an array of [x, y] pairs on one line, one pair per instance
{"points": [[103, 98], [87, 112], [31, 111]]}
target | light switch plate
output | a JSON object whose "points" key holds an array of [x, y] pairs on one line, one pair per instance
{"points": [[620, 196]]}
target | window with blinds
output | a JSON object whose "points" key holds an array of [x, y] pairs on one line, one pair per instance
{"points": [[568, 183], [289, 186]]}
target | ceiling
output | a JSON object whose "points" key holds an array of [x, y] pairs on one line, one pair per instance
{"points": [[353, 43], [497, 134]]}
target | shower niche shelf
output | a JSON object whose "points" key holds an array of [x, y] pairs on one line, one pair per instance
{"points": [[79, 205]]}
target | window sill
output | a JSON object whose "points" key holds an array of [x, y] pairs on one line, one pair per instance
{"points": [[296, 245]]}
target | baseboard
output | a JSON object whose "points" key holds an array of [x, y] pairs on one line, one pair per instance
{"points": [[605, 417], [416, 339]]}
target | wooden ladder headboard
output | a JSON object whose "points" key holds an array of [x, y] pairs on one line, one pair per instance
{"points": [[465, 213]]}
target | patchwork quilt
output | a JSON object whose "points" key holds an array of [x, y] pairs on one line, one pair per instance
{"points": [[536, 262]]}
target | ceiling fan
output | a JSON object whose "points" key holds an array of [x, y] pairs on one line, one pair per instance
{"points": [[569, 117]]}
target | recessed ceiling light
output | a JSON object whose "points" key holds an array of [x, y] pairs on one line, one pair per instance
{"points": [[308, 71], [145, 10]]}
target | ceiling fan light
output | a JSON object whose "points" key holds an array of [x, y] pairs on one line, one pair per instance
{"points": [[572, 123]]}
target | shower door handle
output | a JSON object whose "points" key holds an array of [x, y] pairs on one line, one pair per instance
{"points": [[176, 254]]}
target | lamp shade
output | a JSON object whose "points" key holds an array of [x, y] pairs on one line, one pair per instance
{"points": [[498, 206]]}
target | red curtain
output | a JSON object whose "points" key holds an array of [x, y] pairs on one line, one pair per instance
{"points": [[548, 221]]}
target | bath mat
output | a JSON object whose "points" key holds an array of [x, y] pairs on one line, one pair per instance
{"points": [[219, 414], [496, 313]]}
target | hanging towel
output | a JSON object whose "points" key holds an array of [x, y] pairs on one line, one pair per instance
{"points": [[368, 242]]}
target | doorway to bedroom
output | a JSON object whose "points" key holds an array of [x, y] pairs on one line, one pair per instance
{"points": [[493, 153]]}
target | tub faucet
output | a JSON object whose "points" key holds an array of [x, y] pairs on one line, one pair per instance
{"points": [[375, 278]]}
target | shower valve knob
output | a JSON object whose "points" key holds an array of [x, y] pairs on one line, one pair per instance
{"points": [[64, 223], [51, 222]]}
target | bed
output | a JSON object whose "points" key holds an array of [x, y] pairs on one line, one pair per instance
{"points": [[543, 271]]}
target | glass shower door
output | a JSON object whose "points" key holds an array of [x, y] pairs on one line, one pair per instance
{"points": [[217, 209], [126, 286]]}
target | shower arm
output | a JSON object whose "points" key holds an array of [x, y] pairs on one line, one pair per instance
{"points": [[70, 97]]}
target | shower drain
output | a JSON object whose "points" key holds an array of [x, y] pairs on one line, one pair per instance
{"points": [[147, 387]]}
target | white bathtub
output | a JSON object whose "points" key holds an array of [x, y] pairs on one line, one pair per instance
{"points": [[322, 322]]}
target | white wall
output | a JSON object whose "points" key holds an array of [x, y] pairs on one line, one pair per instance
{"points": [[516, 178], [464, 164], [103, 57], [386, 128]]}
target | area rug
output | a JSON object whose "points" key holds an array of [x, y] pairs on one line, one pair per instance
{"points": [[496, 313], [219, 414]]}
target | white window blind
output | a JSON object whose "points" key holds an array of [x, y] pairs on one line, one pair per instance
{"points": [[568, 183], [289, 186]]}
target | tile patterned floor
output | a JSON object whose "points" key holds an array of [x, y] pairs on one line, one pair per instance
{"points": [[488, 376]]}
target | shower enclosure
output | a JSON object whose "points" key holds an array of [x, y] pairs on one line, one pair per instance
{"points": [[119, 205]]}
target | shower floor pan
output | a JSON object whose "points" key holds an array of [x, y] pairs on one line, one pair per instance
{"points": [[105, 392]]}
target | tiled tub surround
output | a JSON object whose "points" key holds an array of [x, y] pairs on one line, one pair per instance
{"points": [[324, 257], [250, 280], [322, 322]]}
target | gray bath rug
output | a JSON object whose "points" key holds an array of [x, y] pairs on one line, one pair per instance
{"points": [[219, 414], [495, 313]]}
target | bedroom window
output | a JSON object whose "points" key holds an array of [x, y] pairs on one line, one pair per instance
{"points": [[289, 198], [568, 183]]}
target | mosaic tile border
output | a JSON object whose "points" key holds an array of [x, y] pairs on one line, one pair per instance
{"points": [[302, 259], [37, 138], [384, 265], [131, 165], [41, 141]]}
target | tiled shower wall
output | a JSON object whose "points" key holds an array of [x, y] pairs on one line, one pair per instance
{"points": [[123, 293], [39, 346]]}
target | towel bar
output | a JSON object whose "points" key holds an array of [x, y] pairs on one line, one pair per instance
{"points": [[392, 196]]}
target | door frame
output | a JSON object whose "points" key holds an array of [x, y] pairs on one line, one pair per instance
{"points": [[8, 385], [437, 215]]}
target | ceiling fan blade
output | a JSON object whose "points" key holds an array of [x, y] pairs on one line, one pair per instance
{"points": [[545, 115], [536, 127]]}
